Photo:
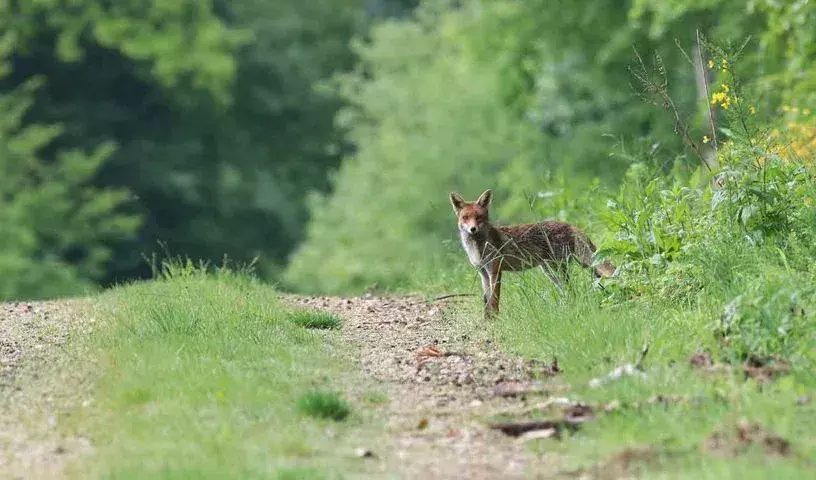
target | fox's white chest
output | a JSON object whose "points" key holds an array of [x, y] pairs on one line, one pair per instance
{"points": [[472, 249]]}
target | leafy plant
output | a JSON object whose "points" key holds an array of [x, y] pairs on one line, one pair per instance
{"points": [[769, 320]]}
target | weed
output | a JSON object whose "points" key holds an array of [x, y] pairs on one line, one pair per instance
{"points": [[324, 404], [767, 320], [316, 319]]}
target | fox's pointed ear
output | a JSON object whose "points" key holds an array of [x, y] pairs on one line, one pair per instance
{"points": [[457, 201], [484, 199]]}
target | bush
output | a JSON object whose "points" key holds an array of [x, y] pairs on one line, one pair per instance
{"points": [[769, 320]]}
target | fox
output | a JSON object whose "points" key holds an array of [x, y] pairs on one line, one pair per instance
{"points": [[548, 244]]}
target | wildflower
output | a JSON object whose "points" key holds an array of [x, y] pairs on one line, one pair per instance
{"points": [[752, 110], [711, 64], [705, 139], [724, 65], [724, 87]]}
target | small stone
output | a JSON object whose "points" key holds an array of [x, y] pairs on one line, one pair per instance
{"points": [[363, 453]]}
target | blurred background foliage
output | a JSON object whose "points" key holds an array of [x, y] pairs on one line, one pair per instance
{"points": [[323, 137]]}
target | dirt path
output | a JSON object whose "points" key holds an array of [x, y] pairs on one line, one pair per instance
{"points": [[35, 388], [440, 375], [438, 405]]}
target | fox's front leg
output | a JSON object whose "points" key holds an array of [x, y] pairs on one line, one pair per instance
{"points": [[485, 284], [494, 280]]}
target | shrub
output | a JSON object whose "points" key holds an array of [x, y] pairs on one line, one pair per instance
{"points": [[768, 320]]}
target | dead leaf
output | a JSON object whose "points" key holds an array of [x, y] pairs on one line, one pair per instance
{"points": [[629, 370], [539, 368], [363, 453], [423, 424], [765, 370], [732, 441], [579, 413], [512, 388], [701, 359], [516, 429], [537, 434]]}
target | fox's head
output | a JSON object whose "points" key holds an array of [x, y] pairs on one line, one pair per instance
{"points": [[473, 216]]}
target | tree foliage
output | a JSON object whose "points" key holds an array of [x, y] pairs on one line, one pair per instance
{"points": [[55, 223], [208, 111], [329, 133], [532, 97]]}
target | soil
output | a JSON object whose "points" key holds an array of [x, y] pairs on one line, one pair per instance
{"points": [[33, 336], [445, 381]]}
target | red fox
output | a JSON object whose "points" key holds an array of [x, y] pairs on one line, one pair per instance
{"points": [[491, 249]]}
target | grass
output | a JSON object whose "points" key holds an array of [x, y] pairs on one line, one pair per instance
{"points": [[210, 376], [322, 404], [591, 336], [316, 319]]}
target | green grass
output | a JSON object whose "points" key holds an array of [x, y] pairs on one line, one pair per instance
{"points": [[316, 319], [205, 377], [591, 335], [322, 404]]}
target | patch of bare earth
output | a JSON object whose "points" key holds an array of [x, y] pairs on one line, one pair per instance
{"points": [[444, 384], [35, 388]]}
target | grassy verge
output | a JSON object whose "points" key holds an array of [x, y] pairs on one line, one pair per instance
{"points": [[663, 424], [203, 376]]}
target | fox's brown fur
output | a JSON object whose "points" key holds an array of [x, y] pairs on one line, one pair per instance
{"points": [[494, 249]]}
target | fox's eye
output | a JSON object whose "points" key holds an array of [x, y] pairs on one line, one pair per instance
{"points": [[466, 218]]}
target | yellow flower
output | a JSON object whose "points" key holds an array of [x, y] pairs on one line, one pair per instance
{"points": [[724, 65], [725, 87], [705, 139], [711, 64], [752, 110]]}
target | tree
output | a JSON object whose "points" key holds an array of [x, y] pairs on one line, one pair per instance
{"points": [[56, 225]]}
